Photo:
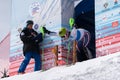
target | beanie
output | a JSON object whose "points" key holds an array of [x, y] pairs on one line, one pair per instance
{"points": [[29, 22]]}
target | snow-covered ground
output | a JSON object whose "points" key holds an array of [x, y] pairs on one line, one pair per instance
{"points": [[102, 68]]}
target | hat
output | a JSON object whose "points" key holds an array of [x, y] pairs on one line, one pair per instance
{"points": [[62, 32], [29, 22]]}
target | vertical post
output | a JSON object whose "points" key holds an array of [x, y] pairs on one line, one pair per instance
{"points": [[74, 52], [68, 54], [67, 11], [56, 54], [42, 58]]}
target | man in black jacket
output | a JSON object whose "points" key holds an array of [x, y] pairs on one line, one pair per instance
{"points": [[30, 47]]}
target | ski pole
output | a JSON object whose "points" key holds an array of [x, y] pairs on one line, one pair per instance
{"points": [[68, 53], [69, 44]]}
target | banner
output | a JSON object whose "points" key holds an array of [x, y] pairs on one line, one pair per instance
{"points": [[5, 15], [48, 13], [107, 21]]}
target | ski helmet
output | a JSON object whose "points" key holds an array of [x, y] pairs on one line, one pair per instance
{"points": [[62, 32]]}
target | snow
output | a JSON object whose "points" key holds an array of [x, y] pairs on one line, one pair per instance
{"points": [[102, 68]]}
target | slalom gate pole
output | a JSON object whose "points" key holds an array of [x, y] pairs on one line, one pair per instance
{"points": [[56, 54], [74, 52]]}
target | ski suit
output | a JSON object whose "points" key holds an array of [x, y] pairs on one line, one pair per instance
{"points": [[82, 37]]}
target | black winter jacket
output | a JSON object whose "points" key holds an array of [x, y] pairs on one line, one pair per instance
{"points": [[29, 44]]}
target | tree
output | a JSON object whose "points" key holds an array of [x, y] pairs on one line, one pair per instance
{"points": [[4, 73]]}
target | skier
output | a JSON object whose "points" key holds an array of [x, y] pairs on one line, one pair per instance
{"points": [[82, 37], [31, 40]]}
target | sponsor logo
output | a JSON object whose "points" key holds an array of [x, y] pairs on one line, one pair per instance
{"points": [[115, 24], [34, 9], [36, 26]]}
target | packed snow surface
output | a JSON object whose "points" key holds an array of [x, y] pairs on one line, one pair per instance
{"points": [[102, 68]]}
